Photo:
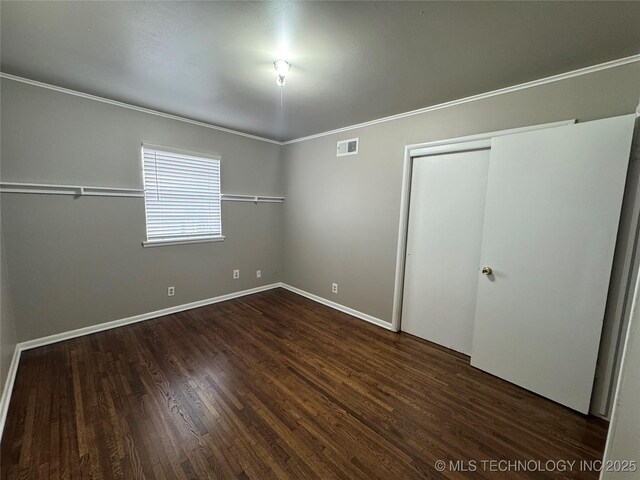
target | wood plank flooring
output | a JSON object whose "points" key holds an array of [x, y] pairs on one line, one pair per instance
{"points": [[273, 385]]}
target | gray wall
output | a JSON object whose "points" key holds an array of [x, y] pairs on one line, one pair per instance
{"points": [[8, 337], [341, 214], [79, 262]]}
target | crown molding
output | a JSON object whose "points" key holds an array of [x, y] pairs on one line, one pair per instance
{"points": [[129, 106], [502, 91], [522, 86]]}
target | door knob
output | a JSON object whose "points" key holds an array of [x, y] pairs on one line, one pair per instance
{"points": [[487, 271]]}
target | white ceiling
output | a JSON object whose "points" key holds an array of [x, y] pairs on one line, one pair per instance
{"points": [[352, 61]]}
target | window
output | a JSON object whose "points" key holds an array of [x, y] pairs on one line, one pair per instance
{"points": [[181, 196]]}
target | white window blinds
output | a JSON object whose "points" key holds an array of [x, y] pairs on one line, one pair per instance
{"points": [[181, 195]]}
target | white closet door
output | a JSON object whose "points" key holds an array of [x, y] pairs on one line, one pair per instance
{"points": [[443, 247], [551, 218]]}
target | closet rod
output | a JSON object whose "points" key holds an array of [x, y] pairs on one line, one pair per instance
{"points": [[251, 198], [79, 191], [76, 190]]}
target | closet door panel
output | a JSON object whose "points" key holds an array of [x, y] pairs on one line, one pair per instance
{"points": [[551, 218], [443, 247]]}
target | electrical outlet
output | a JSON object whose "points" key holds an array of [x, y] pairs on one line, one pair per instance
{"points": [[236, 274], [171, 291], [334, 288], [258, 273]]}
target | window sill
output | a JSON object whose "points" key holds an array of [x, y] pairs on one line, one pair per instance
{"points": [[185, 241]]}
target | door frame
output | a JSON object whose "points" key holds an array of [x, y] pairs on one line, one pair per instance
{"points": [[479, 141]]}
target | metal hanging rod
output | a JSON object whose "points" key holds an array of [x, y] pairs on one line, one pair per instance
{"points": [[76, 190], [80, 191], [251, 198]]}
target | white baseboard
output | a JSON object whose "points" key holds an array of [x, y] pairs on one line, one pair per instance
{"points": [[8, 387], [58, 337], [354, 313]]}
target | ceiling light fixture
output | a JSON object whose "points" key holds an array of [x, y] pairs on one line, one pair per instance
{"points": [[282, 68]]}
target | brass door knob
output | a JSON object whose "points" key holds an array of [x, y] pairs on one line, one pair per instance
{"points": [[487, 271]]}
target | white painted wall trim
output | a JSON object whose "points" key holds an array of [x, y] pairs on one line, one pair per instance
{"points": [[522, 86], [336, 306], [59, 337], [8, 387], [458, 144], [129, 106], [632, 331], [477, 141], [184, 241], [401, 249], [608, 369]]}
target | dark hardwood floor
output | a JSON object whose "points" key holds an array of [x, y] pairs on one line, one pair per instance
{"points": [[273, 386]]}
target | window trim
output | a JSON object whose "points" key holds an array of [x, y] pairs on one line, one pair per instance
{"points": [[185, 240]]}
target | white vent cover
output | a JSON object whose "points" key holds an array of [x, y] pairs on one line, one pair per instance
{"points": [[347, 147]]}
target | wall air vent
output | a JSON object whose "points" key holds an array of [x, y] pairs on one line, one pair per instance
{"points": [[347, 147]]}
